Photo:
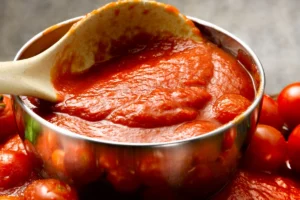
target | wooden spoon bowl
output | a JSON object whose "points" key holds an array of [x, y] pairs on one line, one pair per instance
{"points": [[91, 40]]}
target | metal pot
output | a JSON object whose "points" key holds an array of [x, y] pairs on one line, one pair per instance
{"points": [[196, 167]]}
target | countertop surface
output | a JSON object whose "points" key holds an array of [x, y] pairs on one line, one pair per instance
{"points": [[270, 27]]}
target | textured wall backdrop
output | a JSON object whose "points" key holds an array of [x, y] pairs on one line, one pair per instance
{"points": [[270, 27]]}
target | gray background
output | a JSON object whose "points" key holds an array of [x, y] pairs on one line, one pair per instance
{"points": [[270, 27]]}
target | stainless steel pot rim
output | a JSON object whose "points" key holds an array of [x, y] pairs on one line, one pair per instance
{"points": [[220, 130]]}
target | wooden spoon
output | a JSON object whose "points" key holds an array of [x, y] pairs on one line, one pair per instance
{"points": [[90, 40]]}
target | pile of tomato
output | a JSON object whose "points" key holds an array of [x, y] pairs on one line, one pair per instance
{"points": [[269, 169], [19, 178], [276, 142]]}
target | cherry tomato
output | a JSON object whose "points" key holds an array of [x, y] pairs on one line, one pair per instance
{"points": [[267, 150], [49, 189], [294, 149], [289, 104], [15, 168], [15, 143], [269, 114], [259, 186], [7, 120], [228, 106]]}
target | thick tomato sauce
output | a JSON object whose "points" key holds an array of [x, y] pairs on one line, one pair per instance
{"points": [[157, 91]]}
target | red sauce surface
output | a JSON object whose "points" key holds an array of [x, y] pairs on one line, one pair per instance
{"points": [[155, 91]]}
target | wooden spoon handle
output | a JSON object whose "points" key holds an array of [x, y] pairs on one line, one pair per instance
{"points": [[22, 78]]}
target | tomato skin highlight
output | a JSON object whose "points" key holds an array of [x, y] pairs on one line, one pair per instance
{"points": [[289, 104], [294, 149], [49, 189], [266, 151], [269, 114]]}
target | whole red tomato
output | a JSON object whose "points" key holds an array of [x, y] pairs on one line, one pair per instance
{"points": [[15, 168], [294, 149], [7, 120], [259, 186], [49, 189], [289, 104], [267, 150], [269, 114]]}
